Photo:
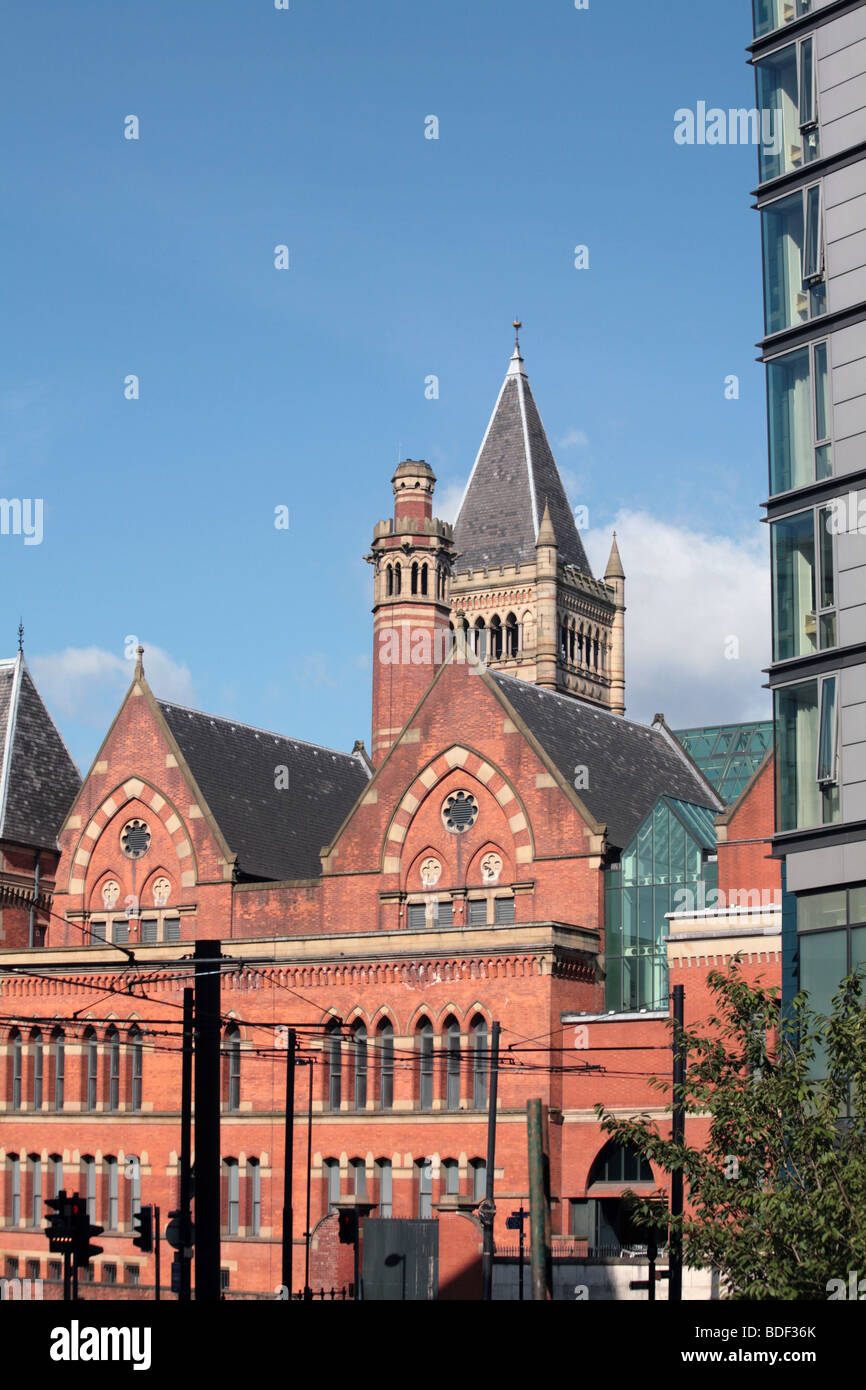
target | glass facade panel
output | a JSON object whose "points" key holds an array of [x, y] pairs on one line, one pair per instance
{"points": [[790, 421], [779, 109], [798, 794], [823, 965], [827, 732], [821, 910], [772, 14], [786, 303], [795, 630], [858, 905]]}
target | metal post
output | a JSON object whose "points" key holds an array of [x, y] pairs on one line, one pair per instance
{"points": [[157, 1294], [67, 1275], [520, 1267], [288, 1163], [307, 1290], [675, 1282], [487, 1210], [184, 1292], [207, 1121], [539, 1202]]}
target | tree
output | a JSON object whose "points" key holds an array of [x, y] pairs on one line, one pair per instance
{"points": [[776, 1199]]}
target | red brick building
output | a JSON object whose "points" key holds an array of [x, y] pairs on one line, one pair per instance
{"points": [[389, 907]]}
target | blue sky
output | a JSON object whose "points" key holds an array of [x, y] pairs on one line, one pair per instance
{"points": [[408, 257]]}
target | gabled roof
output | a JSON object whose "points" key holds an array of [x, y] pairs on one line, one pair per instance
{"points": [[513, 478], [275, 830], [38, 778], [628, 766]]}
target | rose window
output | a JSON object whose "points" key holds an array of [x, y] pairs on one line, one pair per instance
{"points": [[459, 812]]}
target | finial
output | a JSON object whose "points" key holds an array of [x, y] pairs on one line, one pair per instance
{"points": [[139, 667], [20, 634], [517, 327]]}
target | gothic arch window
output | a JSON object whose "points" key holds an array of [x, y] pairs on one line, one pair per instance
{"points": [[480, 639], [571, 642], [398, 578], [425, 1064], [415, 578], [36, 1064], [580, 645], [335, 1066], [359, 1066], [423, 579], [112, 1037], [452, 1064], [58, 1049], [15, 1047], [479, 1063], [91, 1052], [232, 1066], [389, 580], [385, 1039], [563, 640], [134, 1043], [511, 635], [595, 653], [495, 639]]}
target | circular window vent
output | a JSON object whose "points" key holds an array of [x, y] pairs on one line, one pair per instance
{"points": [[135, 839], [459, 812]]}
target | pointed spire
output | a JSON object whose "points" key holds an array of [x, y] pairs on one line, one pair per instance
{"points": [[515, 366], [614, 565], [21, 634], [139, 665], [546, 533]]}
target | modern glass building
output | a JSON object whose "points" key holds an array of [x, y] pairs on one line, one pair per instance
{"points": [[810, 65], [671, 865], [728, 755]]}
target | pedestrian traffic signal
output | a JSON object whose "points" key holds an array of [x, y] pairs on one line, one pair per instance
{"points": [[348, 1227], [142, 1224]]}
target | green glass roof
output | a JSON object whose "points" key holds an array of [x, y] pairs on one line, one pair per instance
{"points": [[699, 821], [728, 755]]}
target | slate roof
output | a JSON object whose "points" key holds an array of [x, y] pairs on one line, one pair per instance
{"points": [[629, 765], [276, 833], [38, 778], [514, 476]]}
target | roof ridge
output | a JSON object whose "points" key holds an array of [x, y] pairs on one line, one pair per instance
{"points": [[255, 728], [572, 700]]}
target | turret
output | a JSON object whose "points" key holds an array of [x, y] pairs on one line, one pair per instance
{"points": [[614, 577]]}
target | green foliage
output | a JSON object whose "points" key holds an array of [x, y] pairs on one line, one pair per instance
{"points": [[776, 1200]]}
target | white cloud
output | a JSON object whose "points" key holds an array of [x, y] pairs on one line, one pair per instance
{"points": [[688, 594], [87, 684], [446, 501], [574, 439]]}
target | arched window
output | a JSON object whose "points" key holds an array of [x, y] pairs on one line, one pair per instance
{"points": [[15, 1045], [112, 1037], [423, 579], [386, 1065], [359, 1059], [36, 1062], [55, 1162], [389, 580], [479, 1063], [335, 1067], [384, 1187], [254, 1197], [595, 653], [398, 578], [358, 1176], [563, 640], [620, 1163], [450, 1177], [132, 1182], [580, 657], [480, 639], [34, 1174], [58, 1046], [511, 635], [478, 1168], [495, 639], [231, 1195], [112, 1206], [415, 578], [425, 1065], [91, 1049], [331, 1171], [452, 1064], [232, 1047], [571, 642], [134, 1043], [13, 1172], [424, 1182], [88, 1184]]}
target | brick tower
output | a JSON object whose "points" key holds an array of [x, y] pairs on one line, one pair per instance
{"points": [[412, 558]]}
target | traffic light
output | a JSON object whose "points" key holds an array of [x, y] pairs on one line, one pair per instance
{"points": [[60, 1230], [348, 1227], [142, 1224], [83, 1229]]}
